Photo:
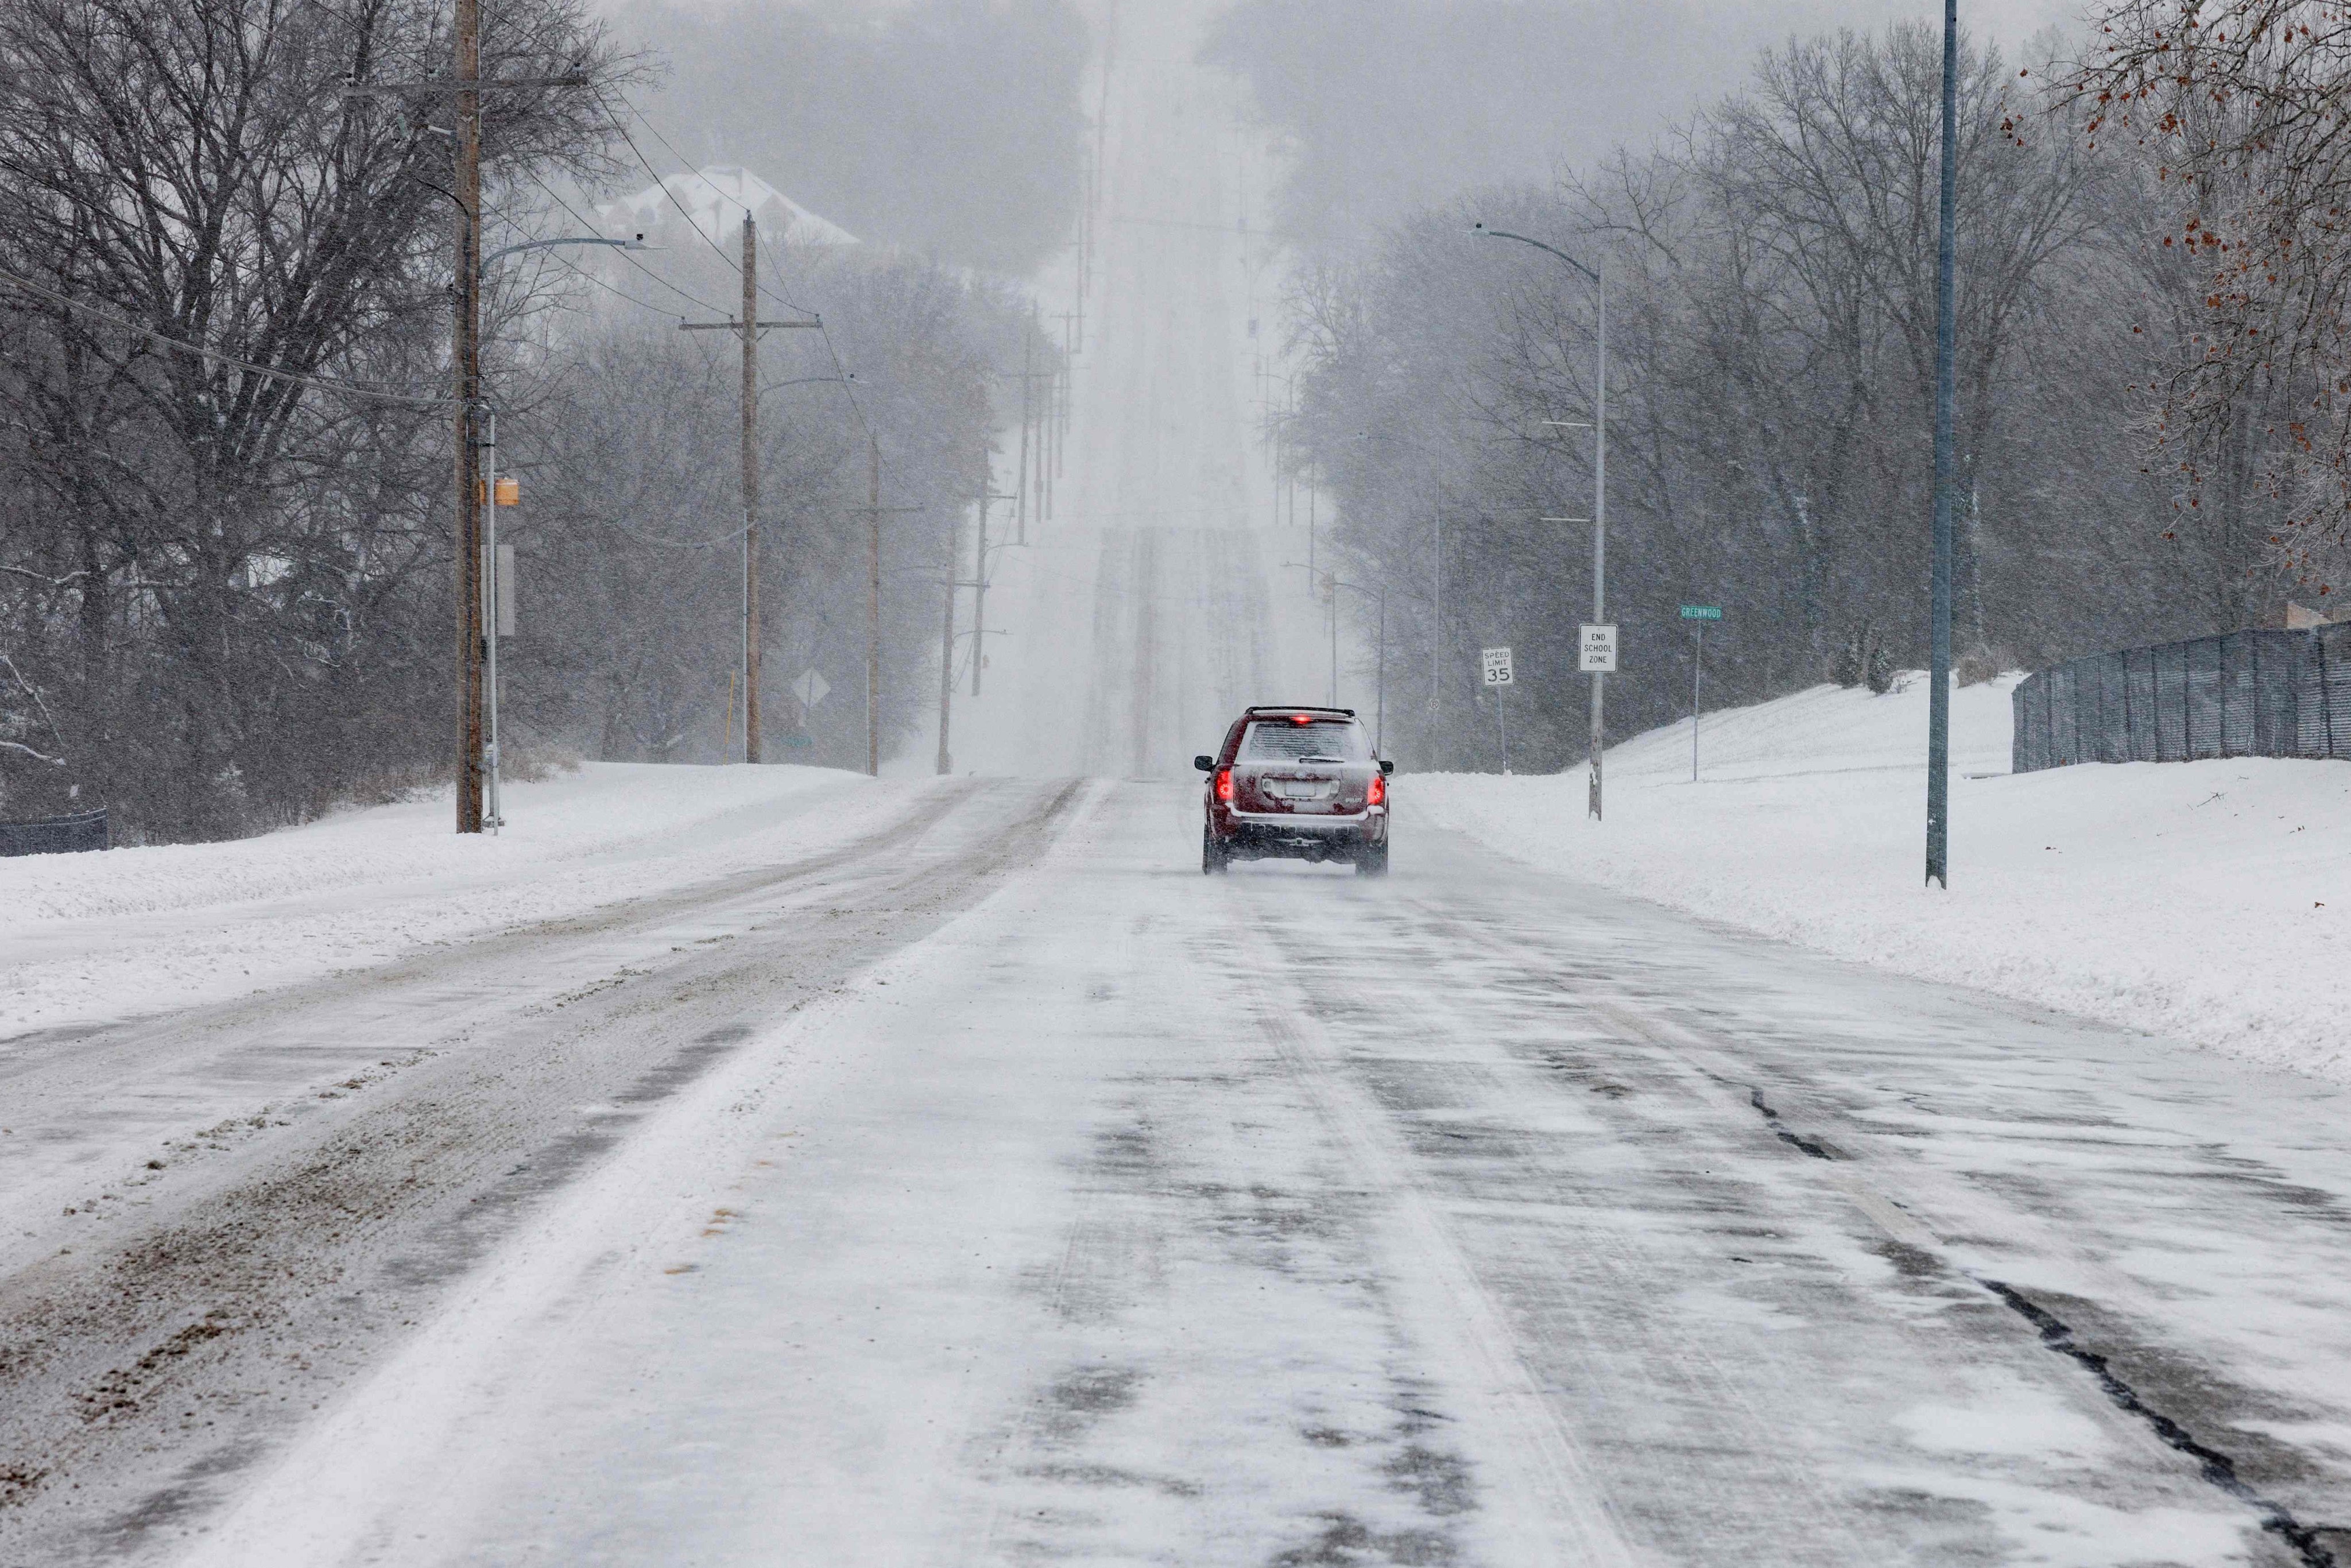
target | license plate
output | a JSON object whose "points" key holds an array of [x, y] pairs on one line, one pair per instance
{"points": [[1302, 791]]}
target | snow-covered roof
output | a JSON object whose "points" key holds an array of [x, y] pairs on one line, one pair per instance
{"points": [[716, 197]]}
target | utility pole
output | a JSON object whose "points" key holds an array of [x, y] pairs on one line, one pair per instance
{"points": [[946, 642], [749, 329], [464, 85], [874, 510], [979, 594], [874, 609], [1068, 388], [1027, 408], [468, 358], [750, 488]]}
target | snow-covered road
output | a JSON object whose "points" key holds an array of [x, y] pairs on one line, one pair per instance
{"points": [[996, 1188]]}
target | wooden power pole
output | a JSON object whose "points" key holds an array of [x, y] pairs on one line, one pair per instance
{"points": [[464, 86], [946, 646], [874, 510], [748, 327], [1028, 415], [874, 609], [979, 596], [750, 487]]}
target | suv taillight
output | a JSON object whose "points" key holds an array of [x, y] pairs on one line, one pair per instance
{"points": [[1224, 783], [1379, 793]]}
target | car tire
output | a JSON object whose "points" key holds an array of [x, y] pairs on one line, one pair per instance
{"points": [[1372, 860], [1214, 861]]}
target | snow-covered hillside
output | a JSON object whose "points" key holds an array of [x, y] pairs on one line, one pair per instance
{"points": [[2210, 901]]}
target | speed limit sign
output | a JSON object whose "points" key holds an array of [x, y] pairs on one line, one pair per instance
{"points": [[1497, 662]]}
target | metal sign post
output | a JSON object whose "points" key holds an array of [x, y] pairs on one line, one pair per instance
{"points": [[1496, 663], [1596, 656], [1697, 615]]}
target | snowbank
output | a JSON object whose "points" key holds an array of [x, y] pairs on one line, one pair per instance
{"points": [[2207, 900], [130, 931]]}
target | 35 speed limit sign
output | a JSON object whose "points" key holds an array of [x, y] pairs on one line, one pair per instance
{"points": [[1497, 662], [1597, 648]]}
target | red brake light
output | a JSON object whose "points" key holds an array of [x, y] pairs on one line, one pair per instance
{"points": [[1301, 718], [1378, 794], [1224, 783]]}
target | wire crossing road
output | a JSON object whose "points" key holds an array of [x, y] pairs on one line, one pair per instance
{"points": [[1090, 1209]]}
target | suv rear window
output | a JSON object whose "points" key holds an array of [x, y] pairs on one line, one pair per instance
{"points": [[1282, 740]]}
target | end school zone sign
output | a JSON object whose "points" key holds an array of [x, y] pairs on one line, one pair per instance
{"points": [[1597, 649]]}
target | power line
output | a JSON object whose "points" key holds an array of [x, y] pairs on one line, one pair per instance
{"points": [[586, 222], [322, 383], [663, 184], [839, 369], [587, 276]]}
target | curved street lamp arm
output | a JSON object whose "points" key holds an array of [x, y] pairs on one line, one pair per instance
{"points": [[1522, 239], [495, 255], [849, 380]]}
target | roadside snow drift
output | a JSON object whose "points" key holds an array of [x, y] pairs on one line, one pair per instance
{"points": [[2204, 900], [91, 937]]}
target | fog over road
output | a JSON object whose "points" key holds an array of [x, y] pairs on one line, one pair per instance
{"points": [[1155, 605]]}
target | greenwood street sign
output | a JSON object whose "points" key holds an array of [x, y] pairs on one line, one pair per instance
{"points": [[1701, 611]]}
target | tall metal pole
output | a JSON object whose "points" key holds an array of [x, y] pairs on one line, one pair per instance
{"points": [[468, 366], [1600, 545], [750, 487], [874, 609], [1437, 625], [494, 813], [1698, 675], [1273, 424], [1335, 640], [1938, 696], [1600, 494]]}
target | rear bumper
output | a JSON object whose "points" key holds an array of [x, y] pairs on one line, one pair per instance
{"points": [[1285, 834]]}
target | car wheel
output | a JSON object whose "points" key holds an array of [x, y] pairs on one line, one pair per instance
{"points": [[1372, 860], [1214, 861]]}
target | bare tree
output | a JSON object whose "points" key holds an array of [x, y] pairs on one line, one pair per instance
{"points": [[2238, 105], [227, 542]]}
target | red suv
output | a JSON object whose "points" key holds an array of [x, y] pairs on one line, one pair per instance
{"points": [[1298, 783]]}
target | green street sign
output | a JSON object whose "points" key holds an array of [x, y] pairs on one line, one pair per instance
{"points": [[1701, 611]]}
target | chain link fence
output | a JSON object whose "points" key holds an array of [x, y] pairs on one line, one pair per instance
{"points": [[2249, 694], [55, 835]]}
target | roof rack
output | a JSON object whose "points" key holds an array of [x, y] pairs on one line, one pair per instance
{"points": [[1298, 707]]}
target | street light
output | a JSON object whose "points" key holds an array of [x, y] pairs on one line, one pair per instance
{"points": [[1599, 497], [1436, 456], [1939, 632], [495, 817], [1380, 709]]}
